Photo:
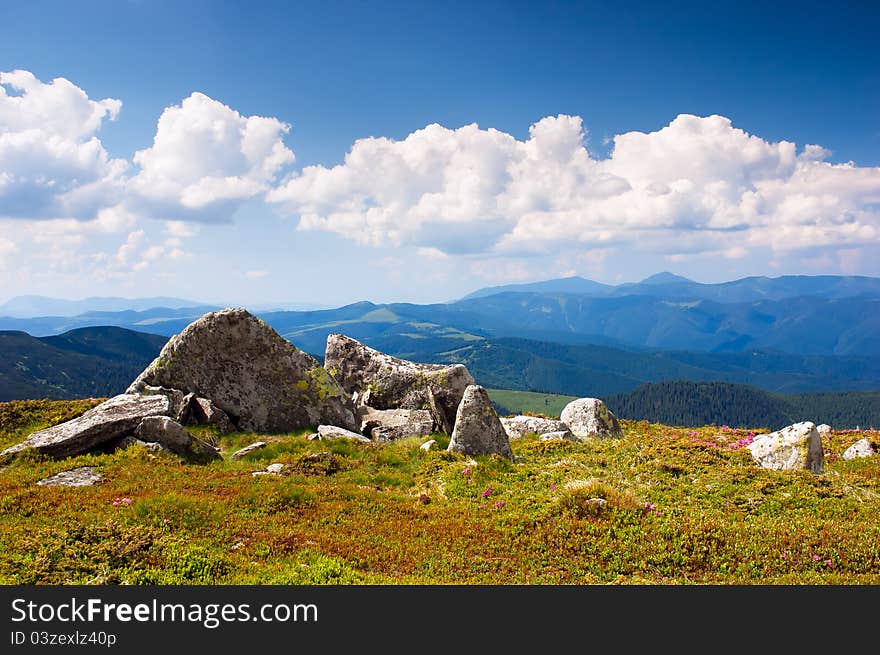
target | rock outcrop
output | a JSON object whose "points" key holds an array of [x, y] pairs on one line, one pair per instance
{"points": [[259, 379], [519, 426], [861, 448], [478, 430], [590, 417], [385, 382], [795, 447], [383, 425], [114, 418]]}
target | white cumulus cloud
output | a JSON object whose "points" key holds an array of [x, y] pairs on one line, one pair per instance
{"points": [[51, 163], [207, 159], [697, 185]]}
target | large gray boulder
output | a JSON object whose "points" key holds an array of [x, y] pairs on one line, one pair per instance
{"points": [[385, 425], [792, 448], [478, 431], [385, 382], [861, 448], [259, 379], [112, 419], [590, 417], [519, 426]]}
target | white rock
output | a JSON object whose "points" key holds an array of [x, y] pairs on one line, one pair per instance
{"points": [[861, 448], [795, 447], [558, 435], [247, 450], [275, 468], [334, 432], [824, 430], [590, 417], [519, 426], [428, 445]]}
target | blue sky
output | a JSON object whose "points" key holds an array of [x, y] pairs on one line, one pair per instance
{"points": [[430, 215]]}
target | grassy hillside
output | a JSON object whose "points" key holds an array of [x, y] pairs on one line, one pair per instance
{"points": [[682, 506], [98, 361], [519, 402]]}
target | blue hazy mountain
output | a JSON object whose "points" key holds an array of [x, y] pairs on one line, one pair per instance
{"points": [[30, 306]]}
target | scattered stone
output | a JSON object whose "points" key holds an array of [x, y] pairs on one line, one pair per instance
{"points": [[112, 419], [247, 450], [795, 447], [314, 436], [478, 431], [861, 448], [275, 468], [590, 417], [824, 429], [559, 435], [201, 411], [174, 436], [129, 441], [519, 426], [85, 476], [429, 445], [383, 425], [259, 379], [385, 382], [334, 432]]}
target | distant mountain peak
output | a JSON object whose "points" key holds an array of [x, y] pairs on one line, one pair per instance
{"points": [[665, 278]]}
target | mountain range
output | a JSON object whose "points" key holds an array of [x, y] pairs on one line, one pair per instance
{"points": [[791, 334]]}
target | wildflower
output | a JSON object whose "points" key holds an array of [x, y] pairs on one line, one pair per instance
{"points": [[121, 501], [815, 558], [784, 556], [827, 562], [500, 504], [488, 492], [467, 471]]}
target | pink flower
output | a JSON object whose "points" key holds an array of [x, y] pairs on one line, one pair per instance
{"points": [[488, 492], [827, 562], [552, 487], [815, 558], [467, 471], [499, 504], [784, 556]]}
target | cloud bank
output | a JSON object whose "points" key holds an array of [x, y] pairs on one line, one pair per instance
{"points": [[698, 184], [697, 187]]}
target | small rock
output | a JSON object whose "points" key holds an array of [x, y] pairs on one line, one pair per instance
{"points": [[384, 425], [334, 432], [559, 435], [519, 426], [247, 450], [275, 469], [314, 436], [478, 431], [429, 445], [85, 476], [795, 447], [173, 436], [861, 448], [258, 473], [824, 429], [590, 417]]}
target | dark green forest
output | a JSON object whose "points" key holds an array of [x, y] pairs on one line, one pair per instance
{"points": [[704, 403]]}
